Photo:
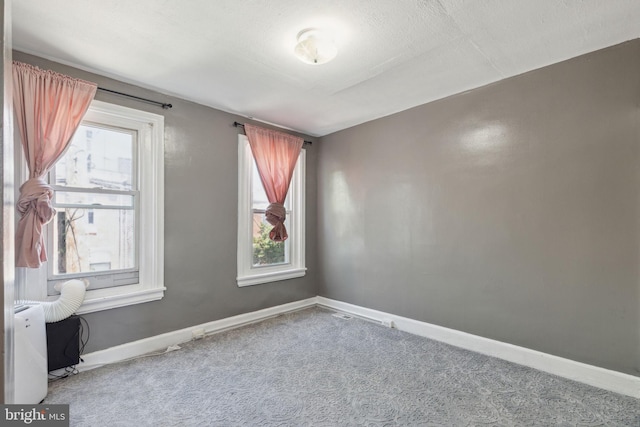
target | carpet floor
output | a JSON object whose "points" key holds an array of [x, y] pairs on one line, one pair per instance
{"points": [[311, 368]]}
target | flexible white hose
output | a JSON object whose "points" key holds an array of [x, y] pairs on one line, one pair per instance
{"points": [[71, 297]]}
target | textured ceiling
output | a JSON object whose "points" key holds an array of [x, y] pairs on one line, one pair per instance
{"points": [[236, 55]]}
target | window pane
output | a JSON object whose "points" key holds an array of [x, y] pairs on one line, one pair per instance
{"points": [[98, 157], [260, 200], [86, 240], [265, 251], [101, 199]]}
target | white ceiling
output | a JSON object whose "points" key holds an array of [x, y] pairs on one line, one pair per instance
{"points": [[236, 55]]}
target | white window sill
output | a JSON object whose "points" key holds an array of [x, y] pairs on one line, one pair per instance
{"points": [[273, 276], [121, 296]]}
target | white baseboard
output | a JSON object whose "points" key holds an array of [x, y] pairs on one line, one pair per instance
{"points": [[577, 371], [566, 368], [161, 342]]}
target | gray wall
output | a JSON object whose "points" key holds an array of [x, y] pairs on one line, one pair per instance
{"points": [[510, 211], [201, 203]]}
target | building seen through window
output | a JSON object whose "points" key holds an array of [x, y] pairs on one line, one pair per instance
{"points": [[95, 224]]}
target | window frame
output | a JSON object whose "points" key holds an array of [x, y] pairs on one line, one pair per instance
{"points": [[124, 276], [150, 238], [248, 274]]}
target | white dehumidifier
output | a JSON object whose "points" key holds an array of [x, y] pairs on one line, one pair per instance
{"points": [[30, 354]]}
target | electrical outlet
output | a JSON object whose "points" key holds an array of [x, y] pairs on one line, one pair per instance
{"points": [[197, 334]]}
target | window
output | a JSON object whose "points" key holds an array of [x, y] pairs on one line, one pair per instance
{"points": [[89, 181], [109, 195], [261, 260]]}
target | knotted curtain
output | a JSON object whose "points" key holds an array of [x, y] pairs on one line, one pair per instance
{"points": [[276, 154], [48, 107]]}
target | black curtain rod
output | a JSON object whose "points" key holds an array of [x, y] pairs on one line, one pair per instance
{"points": [[161, 104], [241, 125]]}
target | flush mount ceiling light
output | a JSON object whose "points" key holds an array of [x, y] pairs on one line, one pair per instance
{"points": [[315, 47]]}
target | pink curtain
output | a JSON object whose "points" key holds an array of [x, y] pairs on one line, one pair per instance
{"points": [[49, 108], [276, 154]]}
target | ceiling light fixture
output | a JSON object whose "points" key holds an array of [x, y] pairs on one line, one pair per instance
{"points": [[315, 47]]}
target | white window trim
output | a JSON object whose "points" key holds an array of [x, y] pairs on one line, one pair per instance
{"points": [[151, 250], [249, 275]]}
